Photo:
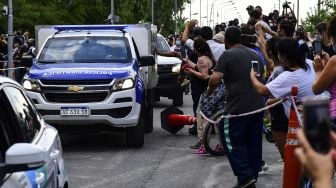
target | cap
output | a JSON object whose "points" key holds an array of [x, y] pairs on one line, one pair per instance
{"points": [[219, 37], [250, 7]]}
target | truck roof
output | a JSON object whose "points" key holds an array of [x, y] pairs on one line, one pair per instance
{"points": [[90, 33]]}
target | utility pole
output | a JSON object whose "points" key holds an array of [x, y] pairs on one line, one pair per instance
{"points": [[207, 14], [176, 29], [190, 11], [298, 12], [200, 13], [10, 39], [153, 12], [279, 6], [318, 8], [112, 11]]}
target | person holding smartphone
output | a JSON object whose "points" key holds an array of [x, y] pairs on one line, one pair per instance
{"points": [[325, 68]]}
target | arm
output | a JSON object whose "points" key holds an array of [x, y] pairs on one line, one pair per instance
{"points": [[203, 68], [169, 54], [258, 86], [215, 79], [324, 76], [190, 25], [262, 46]]}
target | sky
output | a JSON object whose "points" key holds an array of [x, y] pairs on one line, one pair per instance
{"points": [[224, 10]]}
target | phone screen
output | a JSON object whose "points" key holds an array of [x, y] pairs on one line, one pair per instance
{"points": [[255, 66], [317, 45], [317, 124]]}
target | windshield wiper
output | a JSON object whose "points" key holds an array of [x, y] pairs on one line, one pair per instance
{"points": [[47, 62]]}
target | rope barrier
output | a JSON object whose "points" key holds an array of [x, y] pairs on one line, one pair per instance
{"points": [[253, 112]]}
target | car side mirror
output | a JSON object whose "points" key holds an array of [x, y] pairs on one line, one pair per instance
{"points": [[23, 157], [147, 60], [27, 60]]}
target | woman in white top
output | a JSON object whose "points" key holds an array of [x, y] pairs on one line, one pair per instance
{"points": [[298, 72]]}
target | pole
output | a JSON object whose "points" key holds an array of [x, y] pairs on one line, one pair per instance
{"points": [[152, 11], [10, 39], [200, 13], [176, 29], [298, 12], [318, 8], [207, 14], [190, 11], [112, 11], [279, 6]]}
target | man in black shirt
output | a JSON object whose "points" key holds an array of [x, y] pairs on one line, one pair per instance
{"points": [[242, 136]]}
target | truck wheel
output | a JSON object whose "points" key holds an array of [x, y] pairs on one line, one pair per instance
{"points": [[178, 99], [148, 112], [135, 135]]}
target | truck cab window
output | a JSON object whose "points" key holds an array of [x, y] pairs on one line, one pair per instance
{"points": [[26, 116]]}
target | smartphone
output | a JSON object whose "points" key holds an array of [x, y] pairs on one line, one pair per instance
{"points": [[317, 46], [317, 124], [255, 66]]}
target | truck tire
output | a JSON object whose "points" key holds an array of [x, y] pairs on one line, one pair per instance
{"points": [[135, 135], [148, 112], [178, 99]]}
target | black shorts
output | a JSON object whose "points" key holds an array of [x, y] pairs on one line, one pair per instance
{"points": [[279, 120]]}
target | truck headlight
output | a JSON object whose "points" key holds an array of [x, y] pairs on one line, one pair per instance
{"points": [[122, 84], [176, 68], [31, 85]]}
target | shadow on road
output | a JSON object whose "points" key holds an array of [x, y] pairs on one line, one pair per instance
{"points": [[94, 142]]}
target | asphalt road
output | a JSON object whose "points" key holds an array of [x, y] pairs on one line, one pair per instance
{"points": [[165, 161]]}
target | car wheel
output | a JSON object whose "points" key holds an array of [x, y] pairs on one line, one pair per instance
{"points": [[135, 135], [178, 99]]}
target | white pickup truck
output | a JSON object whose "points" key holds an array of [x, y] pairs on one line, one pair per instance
{"points": [[95, 78]]}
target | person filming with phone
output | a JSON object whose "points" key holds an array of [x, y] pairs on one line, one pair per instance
{"points": [[318, 156]]}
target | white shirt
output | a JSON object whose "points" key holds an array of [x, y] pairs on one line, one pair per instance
{"points": [[216, 48], [281, 86]]}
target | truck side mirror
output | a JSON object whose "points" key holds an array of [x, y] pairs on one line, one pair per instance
{"points": [[147, 60]]}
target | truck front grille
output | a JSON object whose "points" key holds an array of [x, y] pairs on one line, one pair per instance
{"points": [[80, 97], [164, 69], [76, 82]]}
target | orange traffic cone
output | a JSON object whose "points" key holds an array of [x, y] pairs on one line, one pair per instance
{"points": [[292, 167], [173, 120], [180, 120]]}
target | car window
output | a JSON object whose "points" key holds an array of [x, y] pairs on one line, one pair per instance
{"points": [[25, 113], [162, 45], [6, 136], [91, 49]]}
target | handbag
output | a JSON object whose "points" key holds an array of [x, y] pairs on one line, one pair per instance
{"points": [[210, 104]]}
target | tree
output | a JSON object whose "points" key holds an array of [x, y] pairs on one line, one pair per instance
{"points": [[28, 13], [328, 8]]}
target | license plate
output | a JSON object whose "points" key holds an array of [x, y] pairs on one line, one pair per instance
{"points": [[75, 111]]}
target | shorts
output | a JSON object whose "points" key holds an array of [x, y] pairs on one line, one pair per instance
{"points": [[279, 120]]}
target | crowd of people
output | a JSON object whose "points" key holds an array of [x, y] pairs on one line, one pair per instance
{"points": [[23, 45], [285, 56]]}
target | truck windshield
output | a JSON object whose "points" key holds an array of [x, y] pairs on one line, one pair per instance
{"points": [[86, 50]]}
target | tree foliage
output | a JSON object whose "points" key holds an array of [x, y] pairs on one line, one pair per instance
{"points": [[327, 9], [28, 13]]}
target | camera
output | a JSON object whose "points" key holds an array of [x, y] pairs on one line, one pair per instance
{"points": [[286, 4]]}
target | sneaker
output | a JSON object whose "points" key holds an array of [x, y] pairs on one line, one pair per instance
{"points": [[196, 145], [249, 183], [263, 168], [201, 150], [219, 148]]}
